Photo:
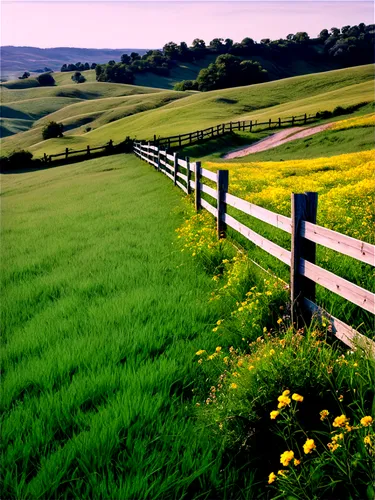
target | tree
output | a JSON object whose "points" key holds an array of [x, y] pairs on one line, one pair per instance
{"points": [[64, 67], [248, 43], [171, 50], [301, 37], [87, 66], [217, 44], [93, 66], [45, 79], [52, 130], [345, 30], [335, 32], [78, 77], [186, 85], [228, 44], [184, 53], [135, 56], [125, 59], [24, 76], [290, 37], [323, 35]]}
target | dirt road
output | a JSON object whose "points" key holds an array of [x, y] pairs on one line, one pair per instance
{"points": [[277, 139]]}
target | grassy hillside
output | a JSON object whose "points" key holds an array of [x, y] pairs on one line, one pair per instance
{"points": [[101, 320], [61, 78], [280, 98]]}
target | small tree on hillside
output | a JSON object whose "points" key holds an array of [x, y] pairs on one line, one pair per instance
{"points": [[78, 77], [53, 130], [24, 76], [45, 79]]}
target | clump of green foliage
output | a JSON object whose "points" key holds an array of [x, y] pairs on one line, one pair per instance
{"points": [[52, 130], [45, 80], [78, 77]]}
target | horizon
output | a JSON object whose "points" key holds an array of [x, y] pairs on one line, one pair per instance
{"points": [[179, 21]]}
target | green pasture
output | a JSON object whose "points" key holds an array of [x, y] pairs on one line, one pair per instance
{"points": [[101, 317], [283, 98]]}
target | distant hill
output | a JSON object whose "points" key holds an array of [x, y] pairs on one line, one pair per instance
{"points": [[16, 60]]}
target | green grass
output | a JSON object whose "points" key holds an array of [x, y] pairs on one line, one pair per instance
{"points": [[102, 314], [280, 98]]}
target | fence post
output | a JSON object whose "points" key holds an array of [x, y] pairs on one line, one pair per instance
{"points": [[230, 127], [148, 151], [279, 122], [66, 153], [88, 150], [251, 125], [304, 207], [197, 186], [154, 139], [305, 117], [179, 140], [158, 160], [45, 157], [222, 188], [188, 174], [175, 167], [270, 122], [292, 120]]}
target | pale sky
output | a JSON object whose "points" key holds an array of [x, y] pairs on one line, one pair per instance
{"points": [[151, 24]]}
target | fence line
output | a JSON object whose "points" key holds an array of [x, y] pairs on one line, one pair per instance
{"points": [[184, 139], [224, 128], [305, 234]]}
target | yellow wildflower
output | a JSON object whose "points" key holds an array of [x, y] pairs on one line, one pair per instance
{"points": [[324, 414], [272, 352], [251, 367], [218, 349], [233, 385], [240, 363], [340, 421], [366, 421], [271, 478], [226, 360], [200, 352], [282, 472], [333, 446], [297, 397], [337, 437], [279, 321], [367, 440], [286, 393], [296, 462], [309, 446], [286, 457], [214, 329], [283, 401], [274, 414]]}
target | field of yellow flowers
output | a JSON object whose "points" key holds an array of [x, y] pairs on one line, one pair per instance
{"points": [[345, 184]]}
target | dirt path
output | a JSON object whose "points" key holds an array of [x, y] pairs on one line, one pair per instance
{"points": [[277, 139]]}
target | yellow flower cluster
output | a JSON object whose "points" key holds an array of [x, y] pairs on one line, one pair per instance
{"points": [[286, 457], [355, 122], [344, 182], [309, 446]]}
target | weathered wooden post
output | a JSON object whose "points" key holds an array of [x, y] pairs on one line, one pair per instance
{"points": [[218, 130], [230, 127], [190, 138], [148, 152], [292, 120], [305, 117], [188, 175], [197, 186], [66, 153], [222, 189], [175, 168], [158, 167], [88, 150], [251, 125], [304, 208], [179, 140], [279, 122], [45, 157], [270, 123]]}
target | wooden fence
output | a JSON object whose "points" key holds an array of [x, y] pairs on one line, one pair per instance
{"points": [[305, 234], [225, 128], [184, 139]]}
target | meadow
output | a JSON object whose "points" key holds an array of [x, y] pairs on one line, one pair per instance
{"points": [[101, 315], [144, 358], [282, 98]]}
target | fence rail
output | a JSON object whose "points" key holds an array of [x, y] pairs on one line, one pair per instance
{"points": [[224, 128], [305, 234], [182, 139]]}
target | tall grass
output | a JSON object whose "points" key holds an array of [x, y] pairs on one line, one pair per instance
{"points": [[101, 314]]}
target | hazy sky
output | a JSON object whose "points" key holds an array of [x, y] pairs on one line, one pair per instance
{"points": [[150, 24]]}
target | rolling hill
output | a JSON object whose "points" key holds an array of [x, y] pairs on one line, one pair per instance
{"points": [[302, 94]]}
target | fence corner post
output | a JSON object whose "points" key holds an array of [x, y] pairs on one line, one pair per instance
{"points": [[222, 189], [188, 175], [175, 167], [197, 186], [88, 150], [66, 152], [304, 208]]}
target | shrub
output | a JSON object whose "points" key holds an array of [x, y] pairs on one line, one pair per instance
{"points": [[186, 85], [78, 77], [52, 130], [17, 160], [45, 79], [24, 76]]}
